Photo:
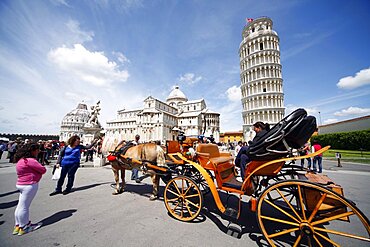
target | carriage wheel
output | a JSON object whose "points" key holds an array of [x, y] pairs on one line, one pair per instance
{"points": [[200, 180], [297, 213], [183, 198]]}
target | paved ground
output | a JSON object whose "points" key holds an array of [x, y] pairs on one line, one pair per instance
{"points": [[91, 216]]}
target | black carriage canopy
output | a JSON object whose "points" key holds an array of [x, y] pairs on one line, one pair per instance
{"points": [[292, 132]]}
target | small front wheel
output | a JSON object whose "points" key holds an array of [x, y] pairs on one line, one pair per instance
{"points": [[183, 198]]}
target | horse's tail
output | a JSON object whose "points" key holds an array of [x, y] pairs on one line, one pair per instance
{"points": [[161, 158]]}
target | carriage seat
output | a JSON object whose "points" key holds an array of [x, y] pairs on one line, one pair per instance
{"points": [[211, 153]]}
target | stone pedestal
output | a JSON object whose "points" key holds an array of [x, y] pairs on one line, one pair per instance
{"points": [[90, 133]]}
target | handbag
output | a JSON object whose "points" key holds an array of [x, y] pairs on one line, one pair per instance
{"points": [[56, 174]]}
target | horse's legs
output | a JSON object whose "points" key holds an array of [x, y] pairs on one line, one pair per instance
{"points": [[123, 179], [155, 181], [116, 179]]}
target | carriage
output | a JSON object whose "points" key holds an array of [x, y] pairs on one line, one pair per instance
{"points": [[293, 206]]}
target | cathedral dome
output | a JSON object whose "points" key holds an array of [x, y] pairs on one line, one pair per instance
{"points": [[73, 122], [176, 96]]}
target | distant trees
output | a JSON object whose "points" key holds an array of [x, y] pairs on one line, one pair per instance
{"points": [[355, 140]]}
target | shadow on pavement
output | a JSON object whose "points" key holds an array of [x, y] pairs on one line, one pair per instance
{"points": [[8, 193], [8, 204], [86, 187], [57, 217]]}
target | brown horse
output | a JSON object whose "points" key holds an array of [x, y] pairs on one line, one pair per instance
{"points": [[139, 156]]}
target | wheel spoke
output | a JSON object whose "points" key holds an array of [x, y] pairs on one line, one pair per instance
{"points": [[173, 200], [194, 195], [279, 220], [190, 202], [188, 189], [335, 217], [281, 210], [187, 207], [173, 192], [296, 243], [174, 208], [349, 235], [182, 187], [309, 241], [289, 204], [177, 187], [327, 239], [317, 207], [283, 232], [301, 201], [317, 241]]}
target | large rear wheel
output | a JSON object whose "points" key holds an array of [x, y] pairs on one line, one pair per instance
{"points": [[300, 213], [183, 198]]}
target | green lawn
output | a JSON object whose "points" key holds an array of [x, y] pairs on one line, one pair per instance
{"points": [[349, 155]]}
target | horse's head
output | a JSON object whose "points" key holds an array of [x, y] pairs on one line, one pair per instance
{"points": [[113, 155]]}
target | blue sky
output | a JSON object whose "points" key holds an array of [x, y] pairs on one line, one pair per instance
{"points": [[56, 53]]}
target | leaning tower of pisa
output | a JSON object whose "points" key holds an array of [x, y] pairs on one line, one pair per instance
{"points": [[260, 75]]}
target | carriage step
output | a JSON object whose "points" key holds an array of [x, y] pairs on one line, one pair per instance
{"points": [[234, 231], [233, 213]]}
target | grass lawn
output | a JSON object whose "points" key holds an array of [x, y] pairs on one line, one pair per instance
{"points": [[349, 155]]}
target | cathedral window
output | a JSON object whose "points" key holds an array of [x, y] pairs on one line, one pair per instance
{"points": [[261, 46]]}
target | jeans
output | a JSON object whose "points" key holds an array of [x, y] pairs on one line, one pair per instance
{"points": [[71, 171], [309, 163], [244, 160], [22, 212], [135, 174], [317, 159]]}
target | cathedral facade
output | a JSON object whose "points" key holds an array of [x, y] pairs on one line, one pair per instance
{"points": [[161, 121]]}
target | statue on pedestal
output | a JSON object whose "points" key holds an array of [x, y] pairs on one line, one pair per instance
{"points": [[93, 120], [91, 129]]}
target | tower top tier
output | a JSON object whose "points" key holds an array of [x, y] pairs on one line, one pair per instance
{"points": [[256, 27]]}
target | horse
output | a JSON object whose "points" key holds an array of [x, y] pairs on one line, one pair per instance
{"points": [[126, 156]]}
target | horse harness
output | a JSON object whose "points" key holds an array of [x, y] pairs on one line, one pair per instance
{"points": [[127, 160]]}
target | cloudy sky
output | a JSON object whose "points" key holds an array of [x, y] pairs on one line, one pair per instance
{"points": [[57, 53]]}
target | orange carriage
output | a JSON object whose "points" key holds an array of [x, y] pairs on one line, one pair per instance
{"points": [[293, 205]]}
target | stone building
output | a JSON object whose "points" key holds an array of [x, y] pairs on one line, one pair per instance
{"points": [[260, 75], [159, 121], [73, 122]]}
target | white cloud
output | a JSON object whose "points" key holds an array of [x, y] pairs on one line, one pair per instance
{"points": [[92, 67], [60, 2], [361, 78], [330, 120], [121, 58], [310, 111], [350, 111], [231, 117], [189, 78], [82, 36], [233, 93]]}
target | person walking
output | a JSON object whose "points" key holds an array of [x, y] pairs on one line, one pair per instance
{"points": [[2, 148], [29, 172], [69, 160], [318, 158], [12, 148], [135, 171]]}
